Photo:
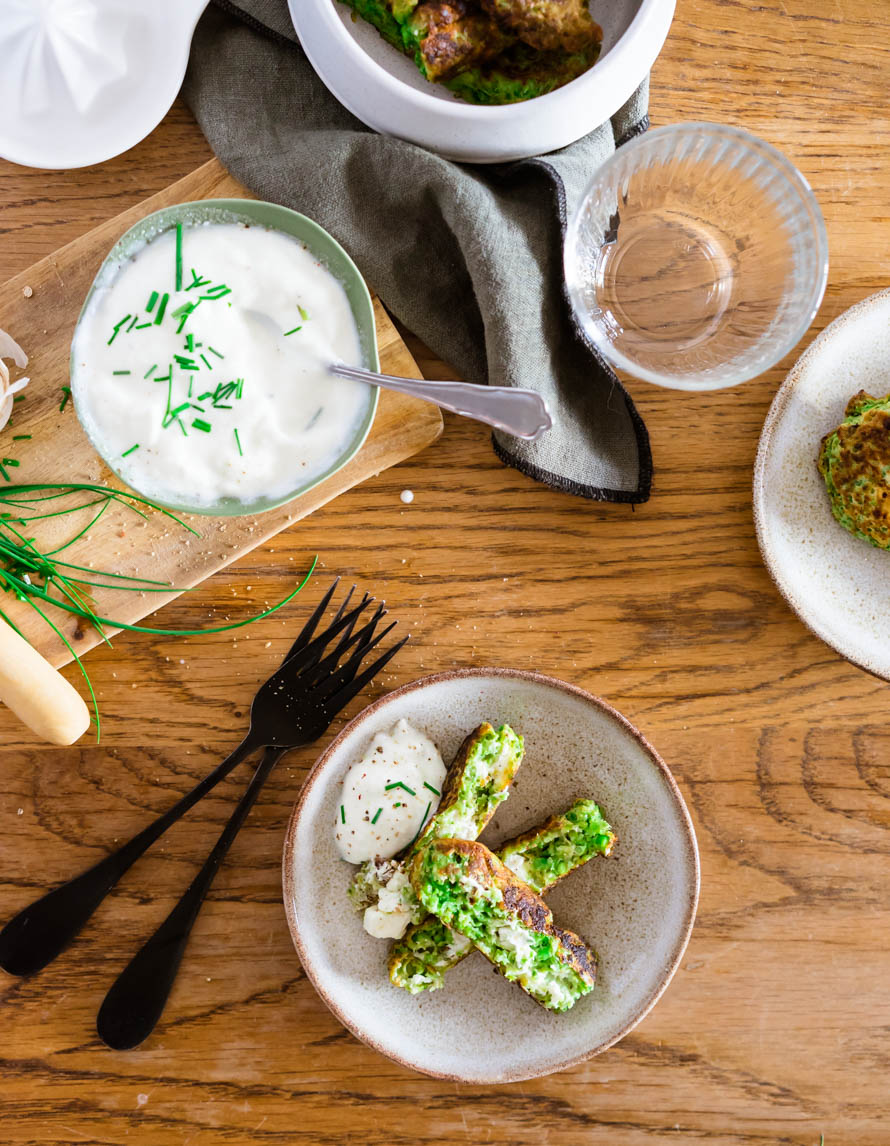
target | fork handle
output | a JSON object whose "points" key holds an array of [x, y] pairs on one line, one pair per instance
{"points": [[137, 998], [41, 931]]}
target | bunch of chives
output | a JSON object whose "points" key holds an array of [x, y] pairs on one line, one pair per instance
{"points": [[40, 577]]}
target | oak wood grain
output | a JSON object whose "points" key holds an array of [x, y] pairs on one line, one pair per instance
{"points": [[775, 1029]]}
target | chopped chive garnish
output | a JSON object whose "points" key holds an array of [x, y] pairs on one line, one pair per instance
{"points": [[238, 444], [165, 421], [21, 437], [420, 829], [399, 784], [152, 299], [240, 388], [204, 360], [142, 325], [185, 432], [11, 462], [200, 424], [20, 398], [183, 312], [342, 809], [179, 256], [432, 789], [190, 342], [122, 322], [304, 314], [148, 373], [294, 331], [219, 291], [116, 372], [159, 317], [132, 324], [197, 281], [376, 816], [66, 392], [200, 409], [131, 450], [6, 476], [216, 352]]}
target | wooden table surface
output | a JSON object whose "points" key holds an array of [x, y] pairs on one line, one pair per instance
{"points": [[775, 1029]]}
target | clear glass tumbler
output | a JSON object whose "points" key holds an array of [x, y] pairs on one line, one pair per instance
{"points": [[697, 257]]}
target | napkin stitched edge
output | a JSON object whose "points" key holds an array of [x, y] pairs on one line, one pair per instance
{"points": [[641, 433]]}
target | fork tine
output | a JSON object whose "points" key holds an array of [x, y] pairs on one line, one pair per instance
{"points": [[314, 659], [329, 663], [307, 655], [349, 668], [346, 637], [346, 601], [309, 628], [340, 699]]}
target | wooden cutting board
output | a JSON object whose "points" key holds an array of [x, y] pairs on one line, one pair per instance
{"points": [[39, 309]]}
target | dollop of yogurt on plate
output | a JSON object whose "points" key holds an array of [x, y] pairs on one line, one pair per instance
{"points": [[389, 794]]}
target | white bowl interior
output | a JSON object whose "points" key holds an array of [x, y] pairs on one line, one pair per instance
{"points": [[614, 19], [635, 907], [836, 583]]}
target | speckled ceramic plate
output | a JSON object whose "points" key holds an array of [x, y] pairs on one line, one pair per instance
{"points": [[838, 585], [635, 907]]}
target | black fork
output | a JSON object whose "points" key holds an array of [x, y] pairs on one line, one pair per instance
{"points": [[311, 690], [284, 714]]}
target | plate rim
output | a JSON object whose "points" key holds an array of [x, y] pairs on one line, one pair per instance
{"points": [[773, 417], [691, 855]]}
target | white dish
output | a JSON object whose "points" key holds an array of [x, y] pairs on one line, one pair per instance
{"points": [[837, 584], [636, 907], [384, 89], [84, 80]]}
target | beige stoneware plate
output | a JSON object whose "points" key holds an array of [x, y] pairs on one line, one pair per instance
{"points": [[636, 907], [838, 585]]}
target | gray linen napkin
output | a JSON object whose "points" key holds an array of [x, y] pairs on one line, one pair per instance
{"points": [[467, 257]]}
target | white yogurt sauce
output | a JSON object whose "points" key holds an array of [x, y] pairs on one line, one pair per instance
{"points": [[232, 399], [376, 816]]}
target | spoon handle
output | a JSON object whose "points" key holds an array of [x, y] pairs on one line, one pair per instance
{"points": [[522, 413], [41, 931], [137, 998]]}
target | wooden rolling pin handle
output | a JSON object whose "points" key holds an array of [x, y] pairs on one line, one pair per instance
{"points": [[37, 693]]}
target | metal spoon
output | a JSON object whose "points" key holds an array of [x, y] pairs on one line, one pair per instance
{"points": [[522, 413]]}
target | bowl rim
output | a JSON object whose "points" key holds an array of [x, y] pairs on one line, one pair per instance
{"points": [[759, 510], [244, 208], [796, 182], [664, 773], [605, 71]]}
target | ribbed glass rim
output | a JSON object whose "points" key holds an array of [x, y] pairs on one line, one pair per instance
{"points": [[797, 184]]}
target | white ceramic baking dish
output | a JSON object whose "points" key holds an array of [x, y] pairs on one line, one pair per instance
{"points": [[385, 90]]}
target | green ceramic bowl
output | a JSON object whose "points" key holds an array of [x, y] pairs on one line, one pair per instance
{"points": [[325, 248]]}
